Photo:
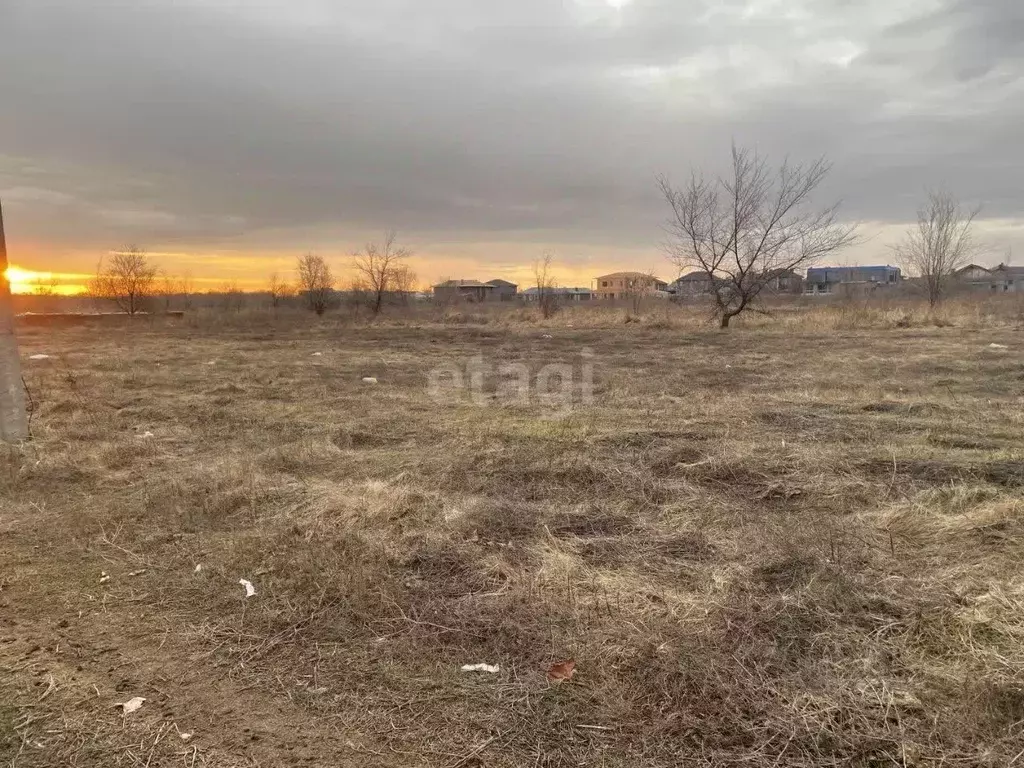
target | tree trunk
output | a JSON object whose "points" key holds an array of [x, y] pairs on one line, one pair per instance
{"points": [[13, 418], [934, 290], [725, 321]]}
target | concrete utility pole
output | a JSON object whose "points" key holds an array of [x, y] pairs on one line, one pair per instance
{"points": [[13, 419]]}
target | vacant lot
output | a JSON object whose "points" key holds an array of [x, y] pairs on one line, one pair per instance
{"points": [[761, 549]]}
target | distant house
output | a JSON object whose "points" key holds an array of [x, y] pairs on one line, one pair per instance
{"points": [[621, 285], [784, 281], [698, 283], [832, 280], [503, 290], [560, 294], [1000, 279], [974, 275], [692, 284], [465, 290]]}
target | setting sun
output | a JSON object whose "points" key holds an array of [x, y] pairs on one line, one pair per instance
{"points": [[30, 281]]}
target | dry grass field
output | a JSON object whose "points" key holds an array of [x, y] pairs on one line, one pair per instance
{"points": [[796, 545]]}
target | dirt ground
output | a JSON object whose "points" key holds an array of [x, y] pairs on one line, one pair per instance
{"points": [[760, 548]]}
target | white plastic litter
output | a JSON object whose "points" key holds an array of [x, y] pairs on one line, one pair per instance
{"points": [[104, 578], [489, 668], [318, 354], [132, 705], [369, 380], [997, 346], [250, 590], [547, 336], [38, 357], [146, 436], [199, 567]]}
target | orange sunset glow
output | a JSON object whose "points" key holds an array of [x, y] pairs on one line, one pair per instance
{"points": [[31, 281]]}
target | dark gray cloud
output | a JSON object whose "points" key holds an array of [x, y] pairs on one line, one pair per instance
{"points": [[195, 122]]}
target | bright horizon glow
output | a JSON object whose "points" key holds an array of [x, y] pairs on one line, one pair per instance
{"points": [[28, 281], [210, 270]]}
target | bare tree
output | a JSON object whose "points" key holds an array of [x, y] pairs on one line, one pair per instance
{"points": [[279, 289], [167, 289], [232, 297], [45, 286], [405, 282], [47, 291], [357, 292], [742, 229], [128, 280], [378, 266], [316, 282], [187, 289], [547, 299], [941, 243], [636, 289], [170, 286], [13, 417]]}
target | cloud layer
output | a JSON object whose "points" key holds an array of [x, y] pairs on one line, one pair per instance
{"points": [[207, 124]]}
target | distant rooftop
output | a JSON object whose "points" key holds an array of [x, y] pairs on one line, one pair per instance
{"points": [[626, 276], [871, 273], [1004, 269], [865, 266], [561, 291], [463, 284], [693, 276]]}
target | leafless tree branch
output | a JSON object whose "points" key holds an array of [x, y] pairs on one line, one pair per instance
{"points": [[381, 268], [316, 282], [940, 244], [743, 230], [128, 279], [547, 301]]}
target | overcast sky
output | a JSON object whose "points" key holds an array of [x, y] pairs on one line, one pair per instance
{"points": [[217, 131]]}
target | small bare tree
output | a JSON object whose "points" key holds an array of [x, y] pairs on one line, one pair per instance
{"points": [[45, 286], [279, 289], [636, 289], [232, 297], [378, 267], [170, 288], [13, 416], [742, 229], [128, 280], [187, 289], [405, 282], [941, 243], [47, 291], [357, 293], [547, 299], [316, 282], [167, 289]]}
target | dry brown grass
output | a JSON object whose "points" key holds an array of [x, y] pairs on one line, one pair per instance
{"points": [[778, 546], [793, 314], [803, 313]]}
